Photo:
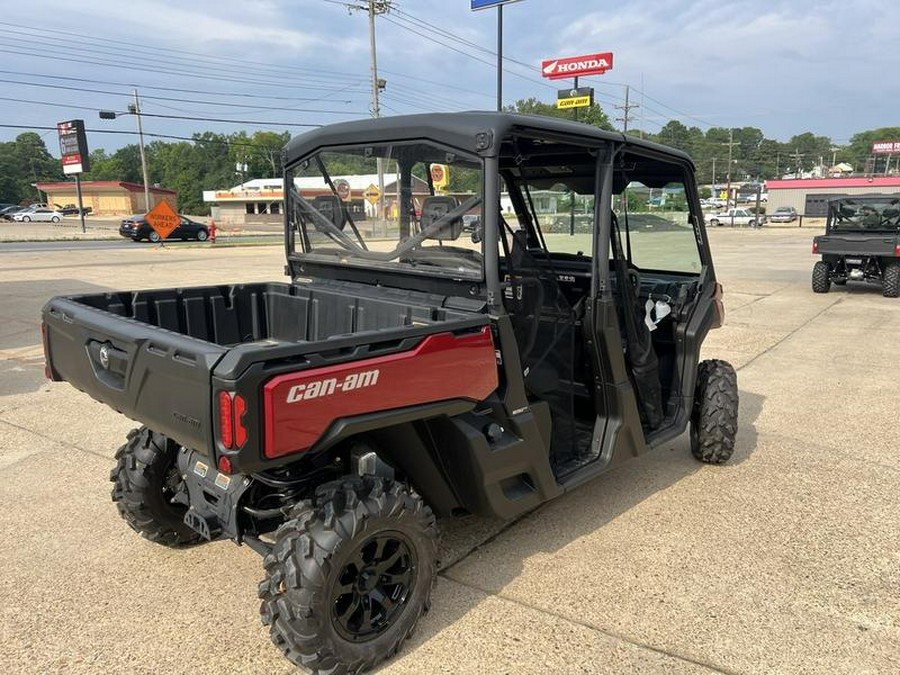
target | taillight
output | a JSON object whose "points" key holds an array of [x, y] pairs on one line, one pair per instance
{"points": [[816, 247], [897, 251], [225, 465], [226, 420], [232, 432], [240, 431]]}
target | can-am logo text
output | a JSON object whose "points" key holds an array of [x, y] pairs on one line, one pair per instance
{"points": [[589, 64], [327, 387]]}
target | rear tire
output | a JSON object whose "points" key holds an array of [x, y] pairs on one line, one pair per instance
{"points": [[714, 222], [54, 219], [202, 235], [892, 280], [349, 575], [715, 416], [146, 479], [26, 219], [154, 237], [821, 282]]}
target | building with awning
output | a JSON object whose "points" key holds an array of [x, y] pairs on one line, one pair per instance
{"points": [[107, 197], [260, 201]]}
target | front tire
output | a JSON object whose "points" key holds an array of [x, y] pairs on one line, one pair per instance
{"points": [[714, 222], [715, 416], [147, 482], [26, 219], [891, 280], [821, 277], [54, 219], [202, 235], [350, 575]]}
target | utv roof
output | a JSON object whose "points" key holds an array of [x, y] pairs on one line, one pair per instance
{"points": [[458, 130]]}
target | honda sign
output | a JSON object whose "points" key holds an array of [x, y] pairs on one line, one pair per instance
{"points": [[577, 66]]}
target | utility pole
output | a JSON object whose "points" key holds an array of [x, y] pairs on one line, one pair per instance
{"points": [[374, 8], [731, 143], [714, 178], [626, 110], [797, 155], [137, 113]]}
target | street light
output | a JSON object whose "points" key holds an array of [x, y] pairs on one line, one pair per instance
{"points": [[134, 109]]}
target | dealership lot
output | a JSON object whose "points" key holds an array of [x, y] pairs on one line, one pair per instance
{"points": [[784, 560]]}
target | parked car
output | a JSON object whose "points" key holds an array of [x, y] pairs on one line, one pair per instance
{"points": [[38, 215], [736, 217], [137, 228], [72, 210], [7, 212], [783, 214]]}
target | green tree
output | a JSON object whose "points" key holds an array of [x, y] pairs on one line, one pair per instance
{"points": [[24, 162], [531, 106]]}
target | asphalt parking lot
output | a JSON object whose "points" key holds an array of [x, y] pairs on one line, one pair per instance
{"points": [[784, 560]]}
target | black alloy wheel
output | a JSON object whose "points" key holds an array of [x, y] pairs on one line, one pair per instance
{"points": [[373, 586]]}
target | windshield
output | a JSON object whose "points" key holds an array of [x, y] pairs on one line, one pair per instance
{"points": [[414, 207], [868, 214]]}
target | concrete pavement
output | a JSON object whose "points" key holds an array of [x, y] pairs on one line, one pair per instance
{"points": [[784, 560]]}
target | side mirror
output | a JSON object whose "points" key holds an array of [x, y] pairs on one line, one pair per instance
{"points": [[477, 235]]}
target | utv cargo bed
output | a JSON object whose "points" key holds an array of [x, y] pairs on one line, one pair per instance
{"points": [[152, 355]]}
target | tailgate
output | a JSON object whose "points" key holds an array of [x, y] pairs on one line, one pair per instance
{"points": [[153, 375], [882, 245]]}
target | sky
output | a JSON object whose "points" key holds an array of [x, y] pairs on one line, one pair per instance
{"points": [[783, 66]]}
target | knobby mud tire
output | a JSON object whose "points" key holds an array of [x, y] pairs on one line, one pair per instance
{"points": [[300, 592], [144, 478], [714, 421], [821, 282], [891, 280]]}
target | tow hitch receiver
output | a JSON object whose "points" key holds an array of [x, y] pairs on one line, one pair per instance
{"points": [[213, 497]]}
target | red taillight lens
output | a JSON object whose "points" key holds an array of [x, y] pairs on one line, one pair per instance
{"points": [[225, 465], [897, 251], [226, 420], [240, 431], [815, 247]]}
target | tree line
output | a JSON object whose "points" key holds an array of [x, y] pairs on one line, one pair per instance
{"points": [[212, 161]]}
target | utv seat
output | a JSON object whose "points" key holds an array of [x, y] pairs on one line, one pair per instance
{"points": [[433, 209]]}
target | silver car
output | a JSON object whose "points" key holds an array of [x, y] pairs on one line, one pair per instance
{"points": [[38, 215]]}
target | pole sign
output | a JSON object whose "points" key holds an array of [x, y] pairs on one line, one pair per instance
{"points": [[486, 4], [577, 66], [73, 147], [886, 147], [583, 97]]}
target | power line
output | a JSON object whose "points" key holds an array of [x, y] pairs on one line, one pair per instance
{"points": [[134, 133]]}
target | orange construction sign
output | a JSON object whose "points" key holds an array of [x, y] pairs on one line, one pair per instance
{"points": [[163, 219]]}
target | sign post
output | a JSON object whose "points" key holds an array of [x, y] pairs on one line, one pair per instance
{"points": [[75, 159], [487, 4]]}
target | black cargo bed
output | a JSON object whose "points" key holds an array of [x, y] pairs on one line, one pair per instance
{"points": [[152, 354]]}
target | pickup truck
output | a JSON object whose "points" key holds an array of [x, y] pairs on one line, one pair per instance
{"points": [[407, 370], [861, 243], [736, 216]]}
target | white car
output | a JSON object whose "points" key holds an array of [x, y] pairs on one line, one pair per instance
{"points": [[736, 217], [38, 215]]}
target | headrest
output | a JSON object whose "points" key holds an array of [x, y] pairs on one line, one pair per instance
{"points": [[330, 207], [435, 208]]}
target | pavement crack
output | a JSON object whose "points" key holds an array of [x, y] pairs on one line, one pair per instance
{"points": [[597, 629], [55, 440], [791, 333]]}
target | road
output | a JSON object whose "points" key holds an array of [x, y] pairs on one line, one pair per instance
{"points": [[783, 560], [116, 244]]}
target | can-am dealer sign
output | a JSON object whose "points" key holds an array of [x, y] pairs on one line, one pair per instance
{"points": [[577, 66]]}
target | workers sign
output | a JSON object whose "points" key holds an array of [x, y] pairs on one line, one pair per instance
{"points": [[576, 66], [372, 194], [582, 97], [163, 219]]}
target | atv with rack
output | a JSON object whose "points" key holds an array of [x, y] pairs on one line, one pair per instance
{"points": [[861, 243], [410, 369]]}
